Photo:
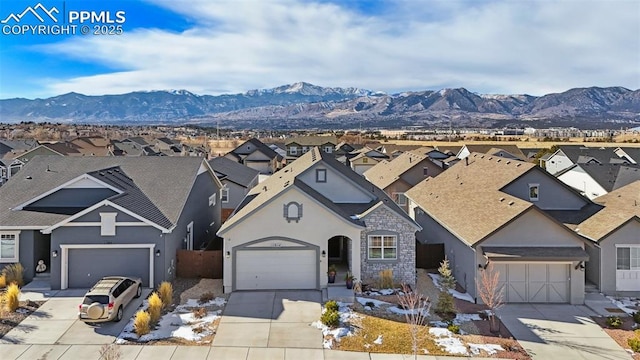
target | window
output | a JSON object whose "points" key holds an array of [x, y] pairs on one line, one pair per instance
{"points": [[292, 211], [400, 199], [425, 171], [108, 224], [305, 149], [224, 195], [328, 149], [365, 160], [383, 247], [9, 247], [534, 192], [212, 199], [628, 258], [293, 150], [321, 175]]}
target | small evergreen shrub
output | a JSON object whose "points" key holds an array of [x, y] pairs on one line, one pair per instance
{"points": [[155, 307], [453, 328], [634, 344], [614, 321], [11, 298], [166, 294], [636, 317], [14, 274], [331, 305], [142, 323], [445, 306], [330, 318]]}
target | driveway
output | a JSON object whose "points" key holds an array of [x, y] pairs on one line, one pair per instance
{"points": [[559, 331], [56, 323], [270, 319]]}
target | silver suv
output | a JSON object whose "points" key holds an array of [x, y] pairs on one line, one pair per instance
{"points": [[107, 299]]}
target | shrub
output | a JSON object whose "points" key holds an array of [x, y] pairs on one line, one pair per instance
{"points": [[142, 323], [330, 318], [445, 306], [636, 317], [166, 294], [11, 297], [331, 305], [447, 281], [13, 274], [110, 352], [155, 307], [199, 313], [453, 328], [3, 281], [206, 297], [386, 279], [614, 321], [634, 344]]}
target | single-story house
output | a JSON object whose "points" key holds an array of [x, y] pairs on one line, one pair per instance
{"points": [[313, 213], [86, 218], [491, 209], [236, 180]]}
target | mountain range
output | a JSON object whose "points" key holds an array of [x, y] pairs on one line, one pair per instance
{"points": [[303, 105]]}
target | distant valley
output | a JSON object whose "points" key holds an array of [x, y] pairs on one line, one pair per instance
{"points": [[303, 105]]}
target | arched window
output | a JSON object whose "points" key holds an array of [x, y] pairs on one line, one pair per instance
{"points": [[293, 211]]}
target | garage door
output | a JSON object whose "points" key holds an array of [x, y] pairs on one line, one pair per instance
{"points": [[87, 266], [533, 282], [276, 269]]}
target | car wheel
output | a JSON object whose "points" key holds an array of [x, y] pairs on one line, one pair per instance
{"points": [[119, 314], [138, 292]]}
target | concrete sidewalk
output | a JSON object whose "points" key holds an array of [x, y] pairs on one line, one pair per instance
{"points": [[161, 352]]}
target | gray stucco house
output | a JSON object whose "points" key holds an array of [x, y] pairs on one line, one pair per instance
{"points": [[315, 212], [236, 179], [92, 217], [614, 250], [489, 209]]}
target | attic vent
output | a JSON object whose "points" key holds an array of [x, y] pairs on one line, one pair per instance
{"points": [[490, 158], [109, 172], [517, 165], [101, 173], [501, 199], [117, 170], [508, 162], [286, 183], [481, 156], [499, 160], [511, 203]]}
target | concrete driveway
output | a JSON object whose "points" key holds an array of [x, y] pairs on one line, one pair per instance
{"points": [[559, 332], [56, 323], [270, 319]]}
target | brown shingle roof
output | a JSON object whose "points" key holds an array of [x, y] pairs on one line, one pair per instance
{"points": [[620, 206], [386, 173], [485, 149], [466, 199]]}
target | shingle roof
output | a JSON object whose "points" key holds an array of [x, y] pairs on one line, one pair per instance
{"points": [[620, 206], [466, 199], [269, 152], [633, 153], [386, 173], [233, 171], [168, 193], [608, 175], [312, 140], [449, 149], [485, 149], [287, 177], [583, 154]]}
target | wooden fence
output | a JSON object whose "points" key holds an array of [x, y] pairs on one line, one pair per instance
{"points": [[199, 264], [429, 256]]}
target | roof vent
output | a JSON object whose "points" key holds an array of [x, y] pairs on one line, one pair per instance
{"points": [[511, 203], [48, 170], [101, 173], [501, 199], [490, 158], [518, 164], [117, 170], [508, 162], [498, 160], [28, 177]]}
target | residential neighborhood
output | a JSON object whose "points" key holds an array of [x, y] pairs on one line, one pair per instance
{"points": [[263, 244]]}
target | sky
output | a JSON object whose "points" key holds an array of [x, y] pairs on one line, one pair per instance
{"points": [[231, 46]]}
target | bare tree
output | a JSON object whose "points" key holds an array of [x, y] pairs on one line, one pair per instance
{"points": [[491, 293], [417, 311]]}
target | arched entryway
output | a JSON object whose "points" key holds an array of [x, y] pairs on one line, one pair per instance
{"points": [[340, 256]]}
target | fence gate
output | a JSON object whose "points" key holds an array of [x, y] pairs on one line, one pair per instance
{"points": [[199, 264], [429, 256]]}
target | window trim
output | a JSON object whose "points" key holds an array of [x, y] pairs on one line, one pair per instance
{"points": [[397, 196], [16, 239], [223, 191], [425, 171], [630, 247], [319, 178], [537, 187], [328, 149], [293, 150], [382, 237]]}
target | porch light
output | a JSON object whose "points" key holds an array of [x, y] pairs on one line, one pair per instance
{"points": [[324, 253], [158, 253], [228, 254], [54, 253]]}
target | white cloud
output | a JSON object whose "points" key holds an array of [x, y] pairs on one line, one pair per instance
{"points": [[494, 47]]}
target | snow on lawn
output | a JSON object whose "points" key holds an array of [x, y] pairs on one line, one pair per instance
{"points": [[333, 335], [460, 319], [456, 294], [490, 349], [625, 304], [445, 339], [376, 303], [180, 323], [397, 310]]}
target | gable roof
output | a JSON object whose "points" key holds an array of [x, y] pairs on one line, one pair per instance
{"points": [[315, 140], [386, 173], [267, 151], [620, 206], [147, 190], [466, 199], [233, 171], [485, 149], [287, 177], [633, 153], [583, 154], [449, 149], [610, 176]]}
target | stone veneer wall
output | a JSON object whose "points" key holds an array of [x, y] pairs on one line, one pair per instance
{"points": [[404, 268]]}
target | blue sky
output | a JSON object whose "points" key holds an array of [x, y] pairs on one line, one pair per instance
{"points": [[231, 46]]}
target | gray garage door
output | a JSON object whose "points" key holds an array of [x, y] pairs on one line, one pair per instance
{"points": [[276, 269], [86, 266], [534, 282]]}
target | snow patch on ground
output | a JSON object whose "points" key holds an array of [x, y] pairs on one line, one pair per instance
{"points": [[626, 304], [459, 320], [489, 348], [397, 310], [376, 303], [334, 335], [456, 294], [179, 323], [449, 343], [378, 341]]}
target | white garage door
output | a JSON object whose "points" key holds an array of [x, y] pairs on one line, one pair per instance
{"points": [[533, 282], [276, 269]]}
